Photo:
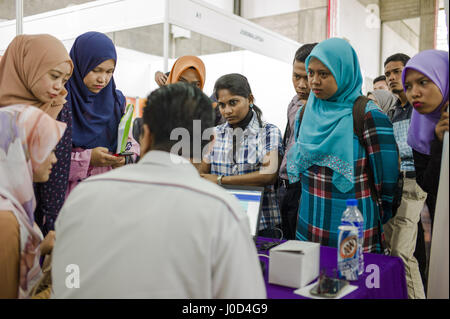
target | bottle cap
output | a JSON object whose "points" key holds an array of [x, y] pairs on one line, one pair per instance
{"points": [[351, 202]]}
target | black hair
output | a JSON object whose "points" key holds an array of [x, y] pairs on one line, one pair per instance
{"points": [[379, 78], [237, 84], [398, 57], [177, 106], [303, 52]]}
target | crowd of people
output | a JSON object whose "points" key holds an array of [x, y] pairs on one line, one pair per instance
{"points": [[155, 222]]}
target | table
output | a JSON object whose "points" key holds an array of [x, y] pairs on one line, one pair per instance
{"points": [[392, 280]]}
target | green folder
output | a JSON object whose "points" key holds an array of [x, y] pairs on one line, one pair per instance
{"points": [[124, 129]]}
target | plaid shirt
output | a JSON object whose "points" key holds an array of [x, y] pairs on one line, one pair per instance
{"points": [[288, 139], [401, 119], [251, 147], [322, 204]]}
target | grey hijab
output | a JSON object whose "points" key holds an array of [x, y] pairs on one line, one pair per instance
{"points": [[385, 99]]}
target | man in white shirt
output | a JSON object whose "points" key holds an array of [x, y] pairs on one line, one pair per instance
{"points": [[156, 229]]}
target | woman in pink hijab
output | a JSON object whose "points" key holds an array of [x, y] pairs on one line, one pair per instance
{"points": [[28, 137]]}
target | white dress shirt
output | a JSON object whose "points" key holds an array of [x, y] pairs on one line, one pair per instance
{"points": [[155, 229]]}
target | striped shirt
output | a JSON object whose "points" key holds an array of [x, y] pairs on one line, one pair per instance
{"points": [[401, 119], [322, 204], [251, 147], [288, 140]]}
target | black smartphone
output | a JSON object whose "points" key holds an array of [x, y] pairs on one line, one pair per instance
{"points": [[328, 287]]}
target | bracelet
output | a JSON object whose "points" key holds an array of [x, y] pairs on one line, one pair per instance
{"points": [[219, 179]]}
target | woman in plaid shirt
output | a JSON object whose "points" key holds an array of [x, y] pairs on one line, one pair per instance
{"points": [[246, 151], [327, 157]]}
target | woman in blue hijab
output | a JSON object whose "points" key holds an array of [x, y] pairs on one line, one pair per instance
{"points": [[97, 107], [327, 157]]}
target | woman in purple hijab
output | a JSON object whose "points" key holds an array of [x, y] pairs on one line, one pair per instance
{"points": [[426, 84]]}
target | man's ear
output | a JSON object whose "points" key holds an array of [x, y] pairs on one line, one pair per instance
{"points": [[146, 139]]}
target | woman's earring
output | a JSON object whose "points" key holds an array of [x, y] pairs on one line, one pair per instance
{"points": [[251, 105]]}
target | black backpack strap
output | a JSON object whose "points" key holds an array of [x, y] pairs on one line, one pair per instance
{"points": [[359, 111], [300, 119], [287, 132]]}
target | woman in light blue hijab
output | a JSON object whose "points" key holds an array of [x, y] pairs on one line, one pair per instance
{"points": [[327, 157]]}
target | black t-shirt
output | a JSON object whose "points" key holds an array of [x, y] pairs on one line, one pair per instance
{"points": [[428, 169]]}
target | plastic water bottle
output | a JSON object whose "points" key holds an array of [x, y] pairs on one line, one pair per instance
{"points": [[348, 252], [353, 217]]}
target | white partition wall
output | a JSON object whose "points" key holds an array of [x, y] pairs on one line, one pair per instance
{"points": [[103, 16], [215, 23], [438, 272], [117, 15], [365, 38]]}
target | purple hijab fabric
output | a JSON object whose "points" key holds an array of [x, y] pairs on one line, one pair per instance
{"points": [[434, 65]]}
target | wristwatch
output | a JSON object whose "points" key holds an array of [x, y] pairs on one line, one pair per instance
{"points": [[219, 179]]}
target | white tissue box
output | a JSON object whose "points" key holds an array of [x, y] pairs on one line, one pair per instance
{"points": [[294, 263]]}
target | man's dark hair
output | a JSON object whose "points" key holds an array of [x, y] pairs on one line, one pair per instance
{"points": [[177, 106], [237, 84], [379, 78], [303, 52], [398, 57]]}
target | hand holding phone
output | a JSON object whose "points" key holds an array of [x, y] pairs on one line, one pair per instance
{"points": [[100, 157]]}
